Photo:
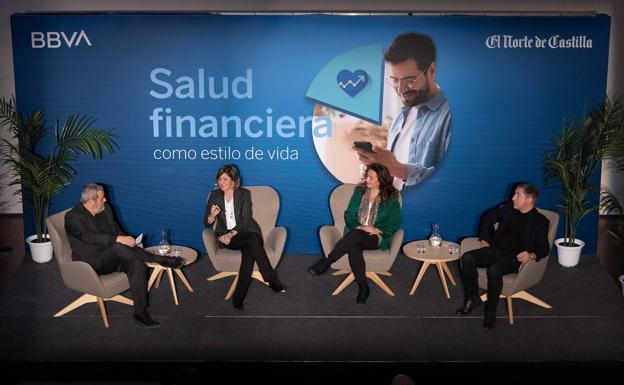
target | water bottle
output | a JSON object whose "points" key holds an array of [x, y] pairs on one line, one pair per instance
{"points": [[163, 246], [435, 239]]}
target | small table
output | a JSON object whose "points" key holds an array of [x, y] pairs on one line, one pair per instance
{"points": [[432, 255], [189, 255]]}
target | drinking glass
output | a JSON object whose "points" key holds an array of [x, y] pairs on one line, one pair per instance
{"points": [[175, 251]]}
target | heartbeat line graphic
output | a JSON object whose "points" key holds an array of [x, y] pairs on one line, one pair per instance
{"points": [[361, 78]]}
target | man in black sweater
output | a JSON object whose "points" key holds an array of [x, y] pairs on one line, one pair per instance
{"points": [[521, 236], [97, 239]]}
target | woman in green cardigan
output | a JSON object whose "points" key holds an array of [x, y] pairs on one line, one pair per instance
{"points": [[371, 219]]}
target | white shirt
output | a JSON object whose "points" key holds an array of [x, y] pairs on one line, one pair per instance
{"points": [[230, 219], [402, 146]]}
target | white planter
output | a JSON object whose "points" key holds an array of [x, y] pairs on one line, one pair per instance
{"points": [[569, 256], [40, 252]]}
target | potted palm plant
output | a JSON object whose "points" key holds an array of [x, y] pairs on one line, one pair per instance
{"points": [[571, 164], [43, 175], [609, 202]]}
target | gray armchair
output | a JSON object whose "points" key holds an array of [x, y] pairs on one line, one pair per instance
{"points": [[80, 276], [378, 262], [529, 275], [265, 205]]}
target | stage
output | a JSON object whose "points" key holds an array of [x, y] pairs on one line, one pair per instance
{"points": [[306, 327]]}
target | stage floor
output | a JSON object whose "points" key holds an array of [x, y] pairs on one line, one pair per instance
{"points": [[307, 324]]}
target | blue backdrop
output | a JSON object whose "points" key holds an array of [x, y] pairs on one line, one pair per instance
{"points": [[507, 98]]}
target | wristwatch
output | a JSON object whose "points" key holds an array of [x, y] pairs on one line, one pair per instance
{"points": [[533, 256]]}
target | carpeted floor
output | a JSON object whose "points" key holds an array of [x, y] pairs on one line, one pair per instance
{"points": [[308, 324]]}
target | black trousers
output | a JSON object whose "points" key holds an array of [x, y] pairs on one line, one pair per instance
{"points": [[497, 262], [354, 244], [130, 260], [251, 246]]}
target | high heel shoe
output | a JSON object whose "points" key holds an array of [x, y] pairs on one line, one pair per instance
{"points": [[277, 286], [319, 267], [363, 293]]}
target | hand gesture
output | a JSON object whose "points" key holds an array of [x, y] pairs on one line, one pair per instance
{"points": [[370, 229], [125, 240], [524, 257], [227, 237]]}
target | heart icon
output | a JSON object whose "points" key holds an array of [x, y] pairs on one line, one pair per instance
{"points": [[352, 82]]}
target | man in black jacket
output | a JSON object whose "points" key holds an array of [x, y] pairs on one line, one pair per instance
{"points": [[521, 236], [97, 239]]}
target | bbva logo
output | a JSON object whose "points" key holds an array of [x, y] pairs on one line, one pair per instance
{"points": [[58, 39]]}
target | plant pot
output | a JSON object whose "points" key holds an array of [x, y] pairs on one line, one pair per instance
{"points": [[41, 252], [568, 256]]}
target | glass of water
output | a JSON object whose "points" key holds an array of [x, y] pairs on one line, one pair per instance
{"points": [[453, 249], [175, 251]]}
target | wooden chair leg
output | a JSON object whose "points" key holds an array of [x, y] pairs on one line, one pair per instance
{"points": [[510, 310], [530, 298], [350, 278], [375, 278], [100, 302], [341, 272], [88, 298], [121, 299], [232, 287], [221, 274], [83, 299], [256, 275]]}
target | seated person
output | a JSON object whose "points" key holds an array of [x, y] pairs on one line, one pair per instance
{"points": [[96, 238], [521, 236], [230, 206], [371, 219]]}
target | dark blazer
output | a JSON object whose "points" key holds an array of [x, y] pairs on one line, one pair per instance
{"points": [[535, 237], [242, 212], [85, 239]]}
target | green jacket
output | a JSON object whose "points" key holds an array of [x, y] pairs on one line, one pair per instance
{"points": [[388, 217]]}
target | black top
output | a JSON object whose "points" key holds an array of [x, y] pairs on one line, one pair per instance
{"points": [[90, 234], [535, 238], [511, 238]]}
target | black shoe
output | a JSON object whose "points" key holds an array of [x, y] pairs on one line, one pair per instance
{"points": [[319, 267], [489, 320], [363, 293], [237, 302], [277, 286], [173, 262], [469, 305], [144, 319]]}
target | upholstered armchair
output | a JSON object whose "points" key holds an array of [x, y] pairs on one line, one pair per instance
{"points": [[378, 262], [265, 204], [529, 275], [80, 276]]}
